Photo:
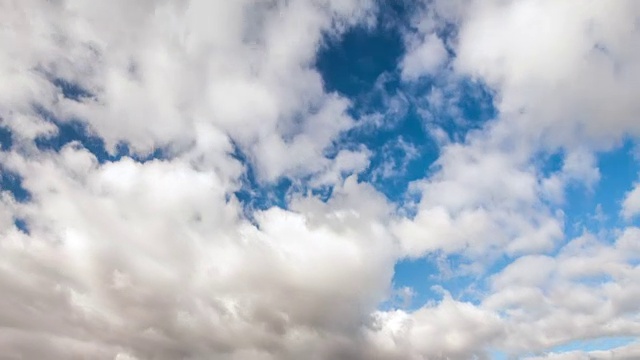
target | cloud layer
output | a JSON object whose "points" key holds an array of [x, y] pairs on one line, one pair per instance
{"points": [[130, 239]]}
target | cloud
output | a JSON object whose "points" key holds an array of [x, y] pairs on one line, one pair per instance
{"points": [[563, 67], [631, 203], [577, 294], [480, 200], [152, 260], [631, 351], [563, 81], [158, 73], [141, 256], [425, 59], [448, 330]]}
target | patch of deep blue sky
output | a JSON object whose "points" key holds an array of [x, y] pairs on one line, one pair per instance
{"points": [[363, 65]]}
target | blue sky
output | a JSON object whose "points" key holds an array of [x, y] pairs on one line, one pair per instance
{"points": [[340, 179]]}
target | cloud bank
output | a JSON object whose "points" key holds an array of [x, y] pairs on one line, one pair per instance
{"points": [[132, 133]]}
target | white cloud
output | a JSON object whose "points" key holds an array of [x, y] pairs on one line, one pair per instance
{"points": [[631, 203], [480, 201], [152, 260], [345, 162], [584, 292], [629, 352], [425, 58], [157, 72], [564, 65], [130, 260], [448, 330], [563, 81]]}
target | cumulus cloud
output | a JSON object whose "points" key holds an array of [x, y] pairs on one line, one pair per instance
{"points": [[130, 255], [152, 260], [154, 75], [563, 83], [125, 259], [584, 292], [480, 201], [631, 203], [563, 68], [449, 330], [425, 59]]}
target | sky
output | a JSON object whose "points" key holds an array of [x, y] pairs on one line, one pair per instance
{"points": [[320, 179]]}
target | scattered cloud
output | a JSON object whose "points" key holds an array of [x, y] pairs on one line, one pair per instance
{"points": [[132, 239]]}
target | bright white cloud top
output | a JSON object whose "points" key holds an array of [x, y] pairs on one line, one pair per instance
{"points": [[204, 179]]}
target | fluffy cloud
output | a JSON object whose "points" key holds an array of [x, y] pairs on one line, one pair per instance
{"points": [[151, 77], [480, 200], [564, 81], [631, 203], [152, 260], [120, 258], [564, 70], [155, 260], [425, 59], [584, 292]]}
